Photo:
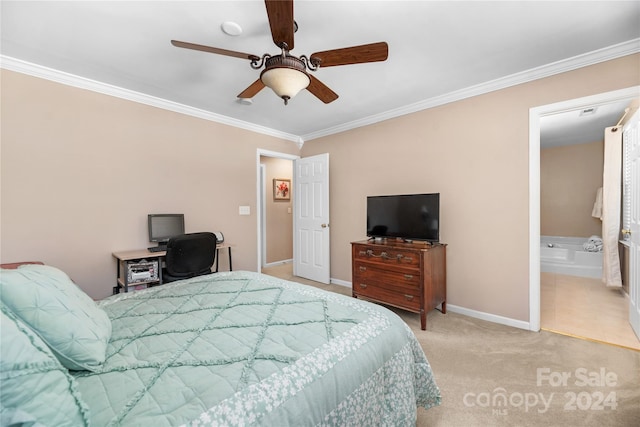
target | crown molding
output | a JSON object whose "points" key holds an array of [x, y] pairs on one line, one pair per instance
{"points": [[601, 55], [24, 67], [611, 52]]}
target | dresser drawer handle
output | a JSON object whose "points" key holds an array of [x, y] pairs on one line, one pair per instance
{"points": [[409, 297], [408, 276], [382, 255], [363, 285], [385, 255], [363, 268]]}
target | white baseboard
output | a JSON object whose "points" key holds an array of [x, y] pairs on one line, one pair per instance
{"points": [[340, 282], [273, 264], [521, 324]]}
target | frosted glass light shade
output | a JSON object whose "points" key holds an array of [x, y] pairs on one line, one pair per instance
{"points": [[285, 82]]}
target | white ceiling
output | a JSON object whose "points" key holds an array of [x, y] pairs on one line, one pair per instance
{"points": [[439, 51], [581, 126]]}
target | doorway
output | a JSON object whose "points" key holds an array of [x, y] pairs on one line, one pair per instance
{"points": [[309, 191], [275, 226], [534, 184]]}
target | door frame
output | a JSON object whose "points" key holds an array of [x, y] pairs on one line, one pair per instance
{"points": [[260, 195], [633, 245], [534, 181], [263, 217]]}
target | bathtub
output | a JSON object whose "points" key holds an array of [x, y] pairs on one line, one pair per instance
{"points": [[565, 255]]}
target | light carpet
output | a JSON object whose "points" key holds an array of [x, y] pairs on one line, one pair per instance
{"points": [[496, 375]]}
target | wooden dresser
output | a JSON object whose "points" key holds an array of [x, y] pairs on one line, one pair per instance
{"points": [[411, 276]]}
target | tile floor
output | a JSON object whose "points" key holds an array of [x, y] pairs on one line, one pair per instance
{"points": [[585, 308]]}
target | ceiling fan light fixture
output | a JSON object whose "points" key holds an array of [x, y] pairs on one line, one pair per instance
{"points": [[285, 75]]}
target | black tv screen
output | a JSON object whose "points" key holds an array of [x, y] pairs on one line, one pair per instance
{"points": [[407, 216]]}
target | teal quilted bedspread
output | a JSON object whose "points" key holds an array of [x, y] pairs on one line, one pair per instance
{"points": [[241, 348]]}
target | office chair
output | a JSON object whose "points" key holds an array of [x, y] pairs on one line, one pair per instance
{"points": [[189, 255]]}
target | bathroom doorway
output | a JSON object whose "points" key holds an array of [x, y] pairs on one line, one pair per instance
{"points": [[573, 300]]}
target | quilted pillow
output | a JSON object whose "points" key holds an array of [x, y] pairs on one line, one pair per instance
{"points": [[36, 389], [66, 319]]}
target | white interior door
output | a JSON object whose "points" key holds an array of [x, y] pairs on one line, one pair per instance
{"points": [[631, 140], [311, 237]]}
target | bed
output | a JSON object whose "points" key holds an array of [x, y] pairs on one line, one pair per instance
{"points": [[236, 348]]}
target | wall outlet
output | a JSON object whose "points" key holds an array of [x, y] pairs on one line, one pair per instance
{"points": [[244, 210], [289, 210]]}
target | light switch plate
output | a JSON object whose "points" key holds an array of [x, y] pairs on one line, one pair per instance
{"points": [[244, 210]]}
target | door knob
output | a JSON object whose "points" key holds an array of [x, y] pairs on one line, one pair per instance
{"points": [[324, 225], [625, 231]]}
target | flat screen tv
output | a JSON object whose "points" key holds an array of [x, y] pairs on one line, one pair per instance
{"points": [[406, 216], [162, 227]]}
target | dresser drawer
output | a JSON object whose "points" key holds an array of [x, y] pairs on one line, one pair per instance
{"points": [[387, 256], [408, 300], [368, 272]]}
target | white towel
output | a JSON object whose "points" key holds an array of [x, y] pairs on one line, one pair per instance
{"points": [[593, 244], [597, 206]]}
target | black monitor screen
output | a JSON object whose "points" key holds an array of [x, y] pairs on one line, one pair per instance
{"points": [[162, 227]]}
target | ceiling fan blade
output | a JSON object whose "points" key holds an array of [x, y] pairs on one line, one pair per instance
{"points": [[252, 90], [321, 91], [373, 52], [210, 49], [280, 13]]}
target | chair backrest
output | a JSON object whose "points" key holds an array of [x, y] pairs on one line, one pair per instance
{"points": [[190, 255]]}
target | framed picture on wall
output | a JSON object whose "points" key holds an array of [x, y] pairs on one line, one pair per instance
{"points": [[281, 189]]}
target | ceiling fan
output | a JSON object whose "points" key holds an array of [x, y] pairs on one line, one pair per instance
{"points": [[286, 74]]}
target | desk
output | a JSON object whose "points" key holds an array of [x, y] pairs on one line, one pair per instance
{"points": [[152, 260]]}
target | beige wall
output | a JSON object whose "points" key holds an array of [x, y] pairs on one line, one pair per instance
{"points": [[475, 153], [279, 218], [569, 180], [81, 171]]}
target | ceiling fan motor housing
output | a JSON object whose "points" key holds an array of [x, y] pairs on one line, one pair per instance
{"points": [[286, 75]]}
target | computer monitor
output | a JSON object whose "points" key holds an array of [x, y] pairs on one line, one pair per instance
{"points": [[162, 227]]}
